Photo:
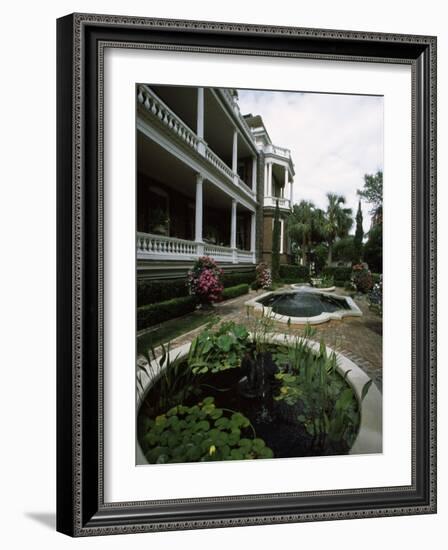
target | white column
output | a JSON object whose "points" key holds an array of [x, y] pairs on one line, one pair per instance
{"points": [[265, 180], [290, 192], [200, 120], [270, 179], [233, 225], [233, 232], [200, 114], [286, 180], [254, 174], [253, 227], [198, 210], [281, 235], [235, 152]]}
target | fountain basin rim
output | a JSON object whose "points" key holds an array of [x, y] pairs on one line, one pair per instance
{"points": [[300, 286], [323, 317]]}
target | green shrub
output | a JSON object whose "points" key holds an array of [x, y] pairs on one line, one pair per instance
{"points": [[376, 277], [344, 250], [362, 278], [152, 292], [233, 279], [339, 274], [320, 256], [153, 314], [373, 249], [234, 291], [295, 273]]}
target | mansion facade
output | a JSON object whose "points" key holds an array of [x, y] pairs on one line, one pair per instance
{"points": [[208, 181]]}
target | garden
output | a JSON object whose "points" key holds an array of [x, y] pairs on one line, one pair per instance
{"points": [[219, 381]]}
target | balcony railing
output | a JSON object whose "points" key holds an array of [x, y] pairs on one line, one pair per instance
{"points": [[159, 247], [282, 202], [219, 164], [276, 150], [155, 107], [218, 253], [160, 110]]}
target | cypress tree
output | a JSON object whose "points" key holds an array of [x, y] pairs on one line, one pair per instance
{"points": [[359, 234], [276, 245]]}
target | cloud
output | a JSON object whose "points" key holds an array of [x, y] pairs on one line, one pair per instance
{"points": [[334, 140]]}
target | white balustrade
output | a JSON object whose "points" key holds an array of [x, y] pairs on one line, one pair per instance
{"points": [[276, 150], [242, 185], [219, 253], [282, 202], [218, 163], [158, 109], [158, 246]]}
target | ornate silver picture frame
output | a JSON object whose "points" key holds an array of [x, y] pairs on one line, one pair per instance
{"points": [[82, 40]]}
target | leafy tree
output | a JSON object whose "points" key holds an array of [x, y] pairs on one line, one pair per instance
{"points": [[305, 227], [344, 249], [373, 249], [338, 221], [359, 235], [320, 255], [372, 192], [276, 245]]}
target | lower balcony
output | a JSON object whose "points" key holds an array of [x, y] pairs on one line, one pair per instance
{"points": [[160, 247]]}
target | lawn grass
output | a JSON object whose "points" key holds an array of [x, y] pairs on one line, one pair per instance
{"points": [[172, 329]]}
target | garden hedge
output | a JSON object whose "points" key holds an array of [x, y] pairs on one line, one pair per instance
{"points": [[234, 279], [340, 274], [295, 273], [234, 291], [153, 314], [152, 292]]}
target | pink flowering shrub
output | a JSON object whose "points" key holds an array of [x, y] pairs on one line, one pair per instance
{"points": [[204, 280], [362, 278], [263, 276]]}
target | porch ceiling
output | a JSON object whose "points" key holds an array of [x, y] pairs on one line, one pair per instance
{"points": [[157, 163], [218, 128]]}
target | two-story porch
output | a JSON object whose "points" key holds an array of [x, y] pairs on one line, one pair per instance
{"points": [[192, 199]]}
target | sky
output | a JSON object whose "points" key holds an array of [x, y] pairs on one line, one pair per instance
{"points": [[334, 140]]}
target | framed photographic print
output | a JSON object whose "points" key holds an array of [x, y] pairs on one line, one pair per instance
{"points": [[246, 274]]}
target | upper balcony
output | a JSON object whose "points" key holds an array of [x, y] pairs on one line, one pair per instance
{"points": [[271, 202], [282, 152], [216, 140]]}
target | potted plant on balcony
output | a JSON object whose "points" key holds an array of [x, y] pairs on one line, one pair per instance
{"points": [[210, 234], [158, 222], [205, 281]]}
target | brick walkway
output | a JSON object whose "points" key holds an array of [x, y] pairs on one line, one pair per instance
{"points": [[358, 338]]}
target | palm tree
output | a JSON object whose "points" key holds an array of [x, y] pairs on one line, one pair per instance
{"points": [[305, 226], [338, 221]]}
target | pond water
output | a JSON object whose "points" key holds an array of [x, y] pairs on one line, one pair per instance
{"points": [[274, 421], [304, 303]]}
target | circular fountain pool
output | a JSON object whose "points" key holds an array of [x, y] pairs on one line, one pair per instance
{"points": [[304, 306]]}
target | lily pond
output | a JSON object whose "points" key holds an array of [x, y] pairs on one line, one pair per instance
{"points": [[240, 395]]}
